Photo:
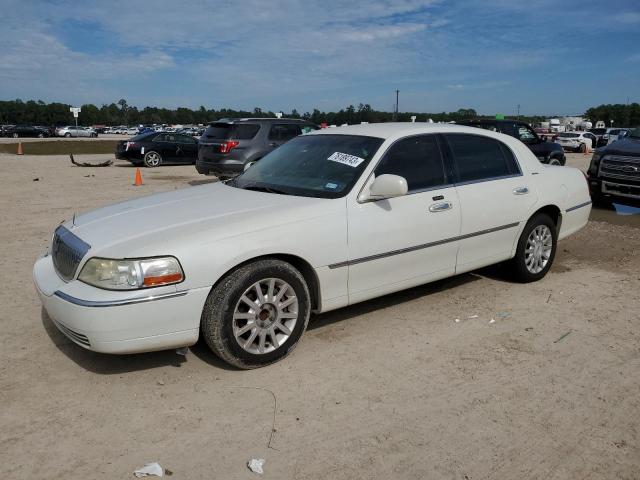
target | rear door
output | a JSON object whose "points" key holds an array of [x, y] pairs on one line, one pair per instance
{"points": [[409, 240], [494, 198], [166, 145], [187, 149]]}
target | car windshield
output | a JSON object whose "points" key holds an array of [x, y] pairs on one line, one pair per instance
{"points": [[635, 133], [569, 135], [324, 166]]}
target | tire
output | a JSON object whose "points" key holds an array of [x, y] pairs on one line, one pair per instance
{"points": [[531, 263], [152, 159], [67, 135], [261, 324], [555, 161], [40, 135], [15, 135], [582, 148]]}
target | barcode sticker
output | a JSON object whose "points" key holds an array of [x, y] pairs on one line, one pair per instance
{"points": [[346, 159]]}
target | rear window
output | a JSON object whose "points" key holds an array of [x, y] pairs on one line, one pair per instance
{"points": [[569, 135], [141, 137], [231, 131]]}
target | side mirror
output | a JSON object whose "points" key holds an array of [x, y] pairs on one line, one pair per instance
{"points": [[386, 186], [247, 165]]}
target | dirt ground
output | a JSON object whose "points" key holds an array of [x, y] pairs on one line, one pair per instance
{"points": [[390, 388]]}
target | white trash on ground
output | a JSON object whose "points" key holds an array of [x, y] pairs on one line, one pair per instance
{"points": [[150, 469], [255, 465]]}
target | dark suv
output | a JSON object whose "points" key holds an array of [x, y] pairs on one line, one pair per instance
{"points": [[615, 170], [227, 145], [547, 152]]}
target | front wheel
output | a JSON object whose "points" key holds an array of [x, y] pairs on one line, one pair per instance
{"points": [[555, 161], [536, 249], [15, 135], [152, 159], [583, 148], [256, 315], [67, 135]]}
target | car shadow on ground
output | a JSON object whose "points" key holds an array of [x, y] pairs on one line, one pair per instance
{"points": [[323, 319], [105, 364]]}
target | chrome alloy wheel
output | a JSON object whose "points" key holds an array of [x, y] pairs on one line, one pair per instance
{"points": [[265, 316], [152, 159], [538, 249]]}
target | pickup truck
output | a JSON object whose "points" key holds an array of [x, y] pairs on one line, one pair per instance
{"points": [[615, 170]]}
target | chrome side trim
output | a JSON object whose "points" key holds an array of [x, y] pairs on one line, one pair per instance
{"points": [[420, 247], [115, 303], [578, 206]]}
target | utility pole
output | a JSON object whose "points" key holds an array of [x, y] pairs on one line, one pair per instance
{"points": [[395, 113], [518, 111]]}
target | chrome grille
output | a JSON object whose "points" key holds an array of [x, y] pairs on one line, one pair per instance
{"points": [[73, 336], [620, 167], [67, 251]]}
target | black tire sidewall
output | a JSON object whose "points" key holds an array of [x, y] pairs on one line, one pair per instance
{"points": [[220, 312], [520, 269]]}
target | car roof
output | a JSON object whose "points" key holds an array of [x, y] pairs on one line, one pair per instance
{"points": [[400, 129], [269, 120]]}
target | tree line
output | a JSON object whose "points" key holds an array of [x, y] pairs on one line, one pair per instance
{"points": [[623, 115], [121, 113]]}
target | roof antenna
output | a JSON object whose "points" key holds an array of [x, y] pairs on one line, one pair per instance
{"points": [[73, 220]]}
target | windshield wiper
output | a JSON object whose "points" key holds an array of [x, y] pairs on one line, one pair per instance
{"points": [[258, 188]]}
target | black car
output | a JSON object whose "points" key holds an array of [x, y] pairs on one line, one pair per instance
{"points": [[614, 171], [601, 140], [16, 131], [227, 145], [153, 149], [547, 152]]}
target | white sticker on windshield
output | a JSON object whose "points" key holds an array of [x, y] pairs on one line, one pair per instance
{"points": [[346, 159]]}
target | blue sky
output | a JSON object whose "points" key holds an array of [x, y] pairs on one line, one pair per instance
{"points": [[491, 55]]}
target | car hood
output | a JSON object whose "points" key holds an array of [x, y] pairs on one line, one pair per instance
{"points": [[626, 146], [155, 224]]}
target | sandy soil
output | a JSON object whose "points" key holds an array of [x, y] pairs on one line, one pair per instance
{"points": [[391, 388]]}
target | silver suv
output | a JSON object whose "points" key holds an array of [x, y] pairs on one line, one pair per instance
{"points": [[227, 145]]}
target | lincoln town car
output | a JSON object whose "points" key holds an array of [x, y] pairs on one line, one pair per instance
{"points": [[331, 218]]}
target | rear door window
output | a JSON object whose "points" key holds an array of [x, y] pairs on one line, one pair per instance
{"points": [[283, 132], [479, 158], [417, 159], [231, 131]]}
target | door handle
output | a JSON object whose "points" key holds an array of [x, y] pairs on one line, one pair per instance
{"points": [[521, 191], [440, 207]]}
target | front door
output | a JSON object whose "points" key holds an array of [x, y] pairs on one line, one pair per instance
{"points": [[405, 241]]}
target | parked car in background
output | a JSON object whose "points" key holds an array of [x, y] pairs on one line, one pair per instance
{"points": [[17, 131], [599, 134], [614, 172], [577, 141], [228, 145], [547, 152], [153, 149], [73, 131], [615, 134], [329, 219]]}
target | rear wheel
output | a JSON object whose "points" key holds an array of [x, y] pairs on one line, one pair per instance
{"points": [[15, 135], [536, 249], [256, 315], [555, 161], [152, 159], [67, 135]]}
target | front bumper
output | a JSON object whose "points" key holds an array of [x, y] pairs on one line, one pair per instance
{"points": [[119, 322]]}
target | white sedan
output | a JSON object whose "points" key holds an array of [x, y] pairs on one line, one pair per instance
{"points": [[577, 141], [329, 219]]}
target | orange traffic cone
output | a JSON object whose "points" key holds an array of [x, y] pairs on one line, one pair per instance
{"points": [[20, 148], [138, 181]]}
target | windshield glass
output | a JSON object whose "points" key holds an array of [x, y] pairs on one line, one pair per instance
{"points": [[323, 166], [635, 133]]}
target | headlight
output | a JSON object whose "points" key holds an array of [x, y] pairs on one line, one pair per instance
{"points": [[131, 274]]}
